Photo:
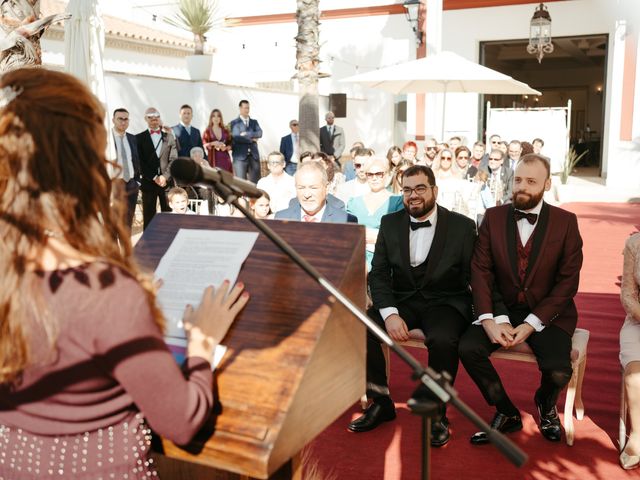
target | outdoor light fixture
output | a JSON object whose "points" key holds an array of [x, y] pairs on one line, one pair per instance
{"points": [[412, 12], [540, 33]]}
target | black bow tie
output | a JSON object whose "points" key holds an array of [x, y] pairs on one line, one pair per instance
{"points": [[417, 225], [531, 217]]}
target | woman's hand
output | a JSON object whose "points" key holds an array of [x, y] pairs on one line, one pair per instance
{"points": [[207, 325]]}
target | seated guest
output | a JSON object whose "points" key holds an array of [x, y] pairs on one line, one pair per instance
{"points": [[451, 187], [478, 155], [526, 148], [419, 279], [260, 207], [335, 176], [278, 184], [179, 201], [370, 207], [409, 151], [466, 171], [524, 275], [83, 363], [358, 186], [197, 155], [217, 141], [395, 186], [537, 143], [305, 156], [499, 177], [455, 143], [348, 168], [430, 152], [630, 348], [312, 206], [394, 157]]}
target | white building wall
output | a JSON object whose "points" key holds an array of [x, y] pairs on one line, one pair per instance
{"points": [[463, 30]]}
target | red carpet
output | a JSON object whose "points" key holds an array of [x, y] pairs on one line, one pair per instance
{"points": [[392, 451]]}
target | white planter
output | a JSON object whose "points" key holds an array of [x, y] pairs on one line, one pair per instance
{"points": [[199, 66]]}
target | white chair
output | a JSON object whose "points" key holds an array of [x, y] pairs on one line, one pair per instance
{"points": [[198, 206], [523, 353]]}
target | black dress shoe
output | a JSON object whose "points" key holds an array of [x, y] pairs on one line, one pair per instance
{"points": [[549, 422], [501, 423], [373, 416], [440, 434]]}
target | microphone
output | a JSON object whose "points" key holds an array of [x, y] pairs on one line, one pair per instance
{"points": [[187, 171]]}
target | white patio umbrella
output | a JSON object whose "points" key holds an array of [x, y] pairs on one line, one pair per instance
{"points": [[84, 51], [441, 73]]}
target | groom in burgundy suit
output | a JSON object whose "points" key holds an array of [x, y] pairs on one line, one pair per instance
{"points": [[524, 275]]}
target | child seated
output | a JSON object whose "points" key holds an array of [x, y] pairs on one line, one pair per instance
{"points": [[179, 201]]}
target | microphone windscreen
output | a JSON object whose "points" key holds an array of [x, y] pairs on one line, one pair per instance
{"points": [[185, 170]]}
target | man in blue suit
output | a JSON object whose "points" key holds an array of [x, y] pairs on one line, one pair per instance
{"points": [[186, 135], [312, 206], [290, 148], [245, 132], [128, 160]]}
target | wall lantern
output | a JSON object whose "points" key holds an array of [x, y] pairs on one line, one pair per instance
{"points": [[411, 11], [540, 33]]}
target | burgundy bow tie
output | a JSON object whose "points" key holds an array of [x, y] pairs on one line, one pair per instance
{"points": [[531, 217], [158, 131]]}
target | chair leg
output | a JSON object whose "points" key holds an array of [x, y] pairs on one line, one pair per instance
{"points": [[622, 427], [579, 405], [568, 406]]}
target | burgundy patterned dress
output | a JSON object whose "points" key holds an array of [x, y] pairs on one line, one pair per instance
{"points": [[218, 158], [84, 410]]}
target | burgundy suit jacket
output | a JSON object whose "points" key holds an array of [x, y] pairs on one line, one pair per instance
{"points": [[552, 275]]}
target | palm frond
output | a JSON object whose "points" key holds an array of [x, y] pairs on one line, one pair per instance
{"points": [[196, 16]]}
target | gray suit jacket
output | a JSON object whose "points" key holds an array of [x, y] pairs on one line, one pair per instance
{"points": [[331, 214]]}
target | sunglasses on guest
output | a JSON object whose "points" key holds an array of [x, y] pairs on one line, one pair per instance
{"points": [[375, 174]]}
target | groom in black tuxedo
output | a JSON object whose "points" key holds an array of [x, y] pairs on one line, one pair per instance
{"points": [[419, 279]]}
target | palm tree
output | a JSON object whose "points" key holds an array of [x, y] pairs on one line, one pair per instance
{"points": [[307, 62], [197, 17]]}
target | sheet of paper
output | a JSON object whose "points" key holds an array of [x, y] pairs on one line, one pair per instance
{"points": [[196, 259]]}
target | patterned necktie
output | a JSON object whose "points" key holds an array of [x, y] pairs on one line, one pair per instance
{"points": [[531, 217], [416, 225], [310, 218]]}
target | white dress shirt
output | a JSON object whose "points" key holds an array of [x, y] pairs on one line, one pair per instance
{"points": [[295, 140], [280, 192], [124, 156], [525, 230], [352, 188], [420, 241], [156, 139]]}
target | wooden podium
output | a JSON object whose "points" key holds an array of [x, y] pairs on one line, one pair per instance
{"points": [[295, 359]]}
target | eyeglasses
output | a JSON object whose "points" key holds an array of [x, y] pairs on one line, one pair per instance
{"points": [[152, 115], [357, 165], [430, 148], [495, 159], [294, 124], [463, 157], [420, 190], [375, 174], [448, 159]]}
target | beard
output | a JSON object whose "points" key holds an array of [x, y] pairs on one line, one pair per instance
{"points": [[419, 210], [524, 201]]}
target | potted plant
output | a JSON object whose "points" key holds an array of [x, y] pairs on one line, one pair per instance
{"points": [[569, 164], [198, 17]]}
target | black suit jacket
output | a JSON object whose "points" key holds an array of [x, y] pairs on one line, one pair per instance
{"points": [[150, 164], [447, 278]]}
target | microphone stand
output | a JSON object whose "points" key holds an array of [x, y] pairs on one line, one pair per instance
{"points": [[437, 383]]}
